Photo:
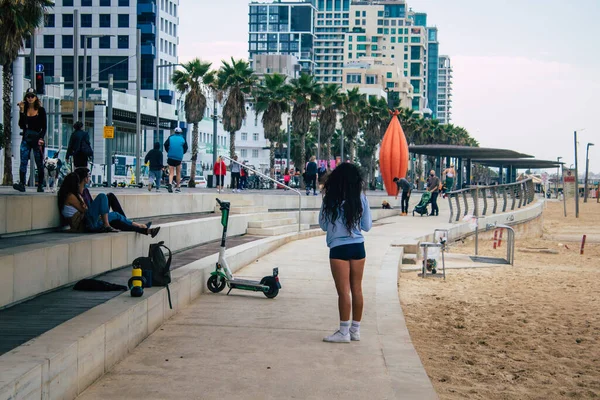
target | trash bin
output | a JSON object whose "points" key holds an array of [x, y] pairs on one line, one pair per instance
{"points": [[209, 181]]}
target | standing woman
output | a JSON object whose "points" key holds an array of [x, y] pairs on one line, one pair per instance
{"points": [[79, 146], [219, 171], [32, 119], [344, 214]]}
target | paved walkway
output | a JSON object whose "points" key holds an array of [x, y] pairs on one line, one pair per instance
{"points": [[244, 346]]}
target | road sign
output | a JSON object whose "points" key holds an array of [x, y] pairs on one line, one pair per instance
{"points": [[39, 68], [569, 182], [109, 132]]}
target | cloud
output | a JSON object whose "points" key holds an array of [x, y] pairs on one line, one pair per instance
{"points": [[526, 104]]}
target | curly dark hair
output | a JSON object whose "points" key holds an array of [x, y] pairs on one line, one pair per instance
{"points": [[70, 185], [343, 188]]}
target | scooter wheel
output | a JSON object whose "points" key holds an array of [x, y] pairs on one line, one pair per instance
{"points": [[273, 287], [215, 286]]}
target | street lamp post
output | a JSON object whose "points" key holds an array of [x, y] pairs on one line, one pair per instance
{"points": [[587, 166], [576, 178], [557, 176], [156, 94], [83, 91]]}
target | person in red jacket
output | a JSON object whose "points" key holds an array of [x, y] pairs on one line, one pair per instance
{"points": [[220, 170]]}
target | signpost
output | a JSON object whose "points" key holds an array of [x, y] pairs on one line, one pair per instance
{"points": [[109, 132], [569, 182]]}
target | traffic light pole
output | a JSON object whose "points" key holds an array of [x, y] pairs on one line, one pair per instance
{"points": [[109, 122]]}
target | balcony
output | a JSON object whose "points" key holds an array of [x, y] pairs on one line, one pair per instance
{"points": [[147, 28], [146, 8], [166, 95], [149, 50]]}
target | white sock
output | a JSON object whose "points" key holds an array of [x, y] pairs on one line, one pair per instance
{"points": [[344, 327], [355, 326]]}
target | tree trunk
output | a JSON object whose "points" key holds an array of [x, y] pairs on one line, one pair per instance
{"points": [[272, 159], [351, 151], [231, 144], [328, 153], [302, 159], [192, 181], [7, 90]]}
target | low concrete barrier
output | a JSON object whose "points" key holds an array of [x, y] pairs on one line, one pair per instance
{"points": [[63, 362]]}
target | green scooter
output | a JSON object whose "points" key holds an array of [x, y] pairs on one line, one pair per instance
{"points": [[222, 276]]}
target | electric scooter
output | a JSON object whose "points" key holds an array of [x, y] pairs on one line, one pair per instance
{"points": [[221, 276]]}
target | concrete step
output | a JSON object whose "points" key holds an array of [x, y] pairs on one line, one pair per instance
{"points": [[275, 230], [272, 223], [248, 209]]}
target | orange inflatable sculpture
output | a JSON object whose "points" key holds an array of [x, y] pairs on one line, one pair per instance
{"points": [[393, 155]]}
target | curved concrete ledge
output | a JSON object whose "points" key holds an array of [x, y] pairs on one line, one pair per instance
{"points": [[63, 362]]}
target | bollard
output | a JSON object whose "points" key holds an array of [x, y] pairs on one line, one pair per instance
{"points": [[582, 244], [495, 238], [500, 238]]}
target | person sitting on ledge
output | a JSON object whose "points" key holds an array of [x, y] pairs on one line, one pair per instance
{"points": [[120, 221]]}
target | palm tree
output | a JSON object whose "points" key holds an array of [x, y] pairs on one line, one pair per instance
{"points": [[272, 100], [353, 102], [305, 93], [18, 21], [236, 80], [374, 114], [192, 81], [331, 102]]}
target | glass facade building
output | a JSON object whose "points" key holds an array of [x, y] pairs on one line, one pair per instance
{"points": [[283, 28]]}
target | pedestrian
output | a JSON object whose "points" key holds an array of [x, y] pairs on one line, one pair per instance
{"points": [[311, 176], [219, 170], [155, 158], [450, 173], [235, 169], [244, 177], [344, 214], [433, 187], [176, 147], [287, 177], [403, 184], [79, 147], [32, 120]]}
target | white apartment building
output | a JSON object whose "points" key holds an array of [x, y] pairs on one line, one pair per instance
{"points": [[333, 21], [444, 106]]}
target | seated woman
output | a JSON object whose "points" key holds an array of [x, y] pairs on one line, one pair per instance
{"points": [[92, 215]]}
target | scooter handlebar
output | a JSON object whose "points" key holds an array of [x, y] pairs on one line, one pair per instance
{"points": [[218, 201]]}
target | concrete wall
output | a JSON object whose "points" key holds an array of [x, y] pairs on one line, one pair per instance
{"points": [[63, 362]]}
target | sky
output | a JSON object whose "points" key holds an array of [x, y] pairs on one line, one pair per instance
{"points": [[526, 72]]}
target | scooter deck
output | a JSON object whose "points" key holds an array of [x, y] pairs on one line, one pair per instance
{"points": [[245, 282]]}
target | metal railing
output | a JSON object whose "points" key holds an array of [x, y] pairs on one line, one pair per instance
{"points": [[481, 201], [277, 183]]}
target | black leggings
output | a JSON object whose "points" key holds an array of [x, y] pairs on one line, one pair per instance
{"points": [[311, 182], [114, 204]]}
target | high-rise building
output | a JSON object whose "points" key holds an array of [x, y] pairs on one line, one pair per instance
{"points": [[333, 21], [444, 96], [111, 49], [432, 70], [283, 28]]}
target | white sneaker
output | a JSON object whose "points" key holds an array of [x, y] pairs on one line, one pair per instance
{"points": [[337, 337], [355, 336]]}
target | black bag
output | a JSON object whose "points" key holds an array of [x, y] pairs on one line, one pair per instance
{"points": [[95, 285], [31, 137], [84, 146], [159, 266]]}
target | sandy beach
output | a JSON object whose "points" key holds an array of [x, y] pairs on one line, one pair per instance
{"points": [[531, 331]]}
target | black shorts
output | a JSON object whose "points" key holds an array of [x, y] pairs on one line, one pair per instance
{"points": [[173, 163], [346, 252], [219, 180]]}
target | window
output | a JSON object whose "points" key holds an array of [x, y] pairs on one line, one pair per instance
{"points": [[67, 20], [49, 20], [86, 20], [389, 75], [104, 42], [48, 41], [123, 41], [357, 14], [244, 153], [371, 79], [67, 41], [104, 20], [104, 3], [390, 85], [67, 3], [244, 136], [123, 3], [86, 3], [353, 78], [123, 20], [254, 153], [415, 69], [255, 137]]}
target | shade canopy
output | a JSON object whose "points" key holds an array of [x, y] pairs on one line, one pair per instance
{"points": [[518, 163], [446, 150]]}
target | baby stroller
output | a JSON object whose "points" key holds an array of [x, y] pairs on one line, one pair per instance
{"points": [[421, 208]]}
